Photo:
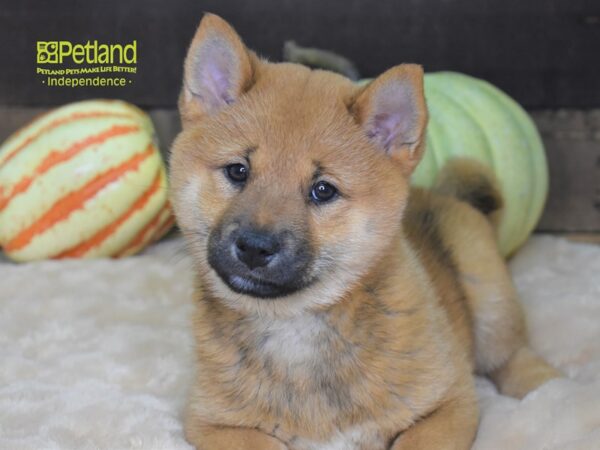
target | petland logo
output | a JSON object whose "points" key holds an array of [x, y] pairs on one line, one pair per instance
{"points": [[55, 52], [67, 65]]}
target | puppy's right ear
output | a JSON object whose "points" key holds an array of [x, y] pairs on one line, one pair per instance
{"points": [[217, 69], [393, 113]]}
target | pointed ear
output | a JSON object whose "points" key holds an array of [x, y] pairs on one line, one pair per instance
{"points": [[217, 69], [393, 112]]}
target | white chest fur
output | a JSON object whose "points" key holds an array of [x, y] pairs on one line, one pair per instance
{"points": [[297, 341], [301, 344], [360, 437]]}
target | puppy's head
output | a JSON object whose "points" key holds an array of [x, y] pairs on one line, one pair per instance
{"points": [[289, 182]]}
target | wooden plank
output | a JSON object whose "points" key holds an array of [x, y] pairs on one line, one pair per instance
{"points": [[544, 53], [584, 238], [572, 140]]}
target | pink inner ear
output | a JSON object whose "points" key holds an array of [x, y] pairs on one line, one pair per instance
{"points": [[385, 129], [394, 116], [213, 74], [215, 79]]}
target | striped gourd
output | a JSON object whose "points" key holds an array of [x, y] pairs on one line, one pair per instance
{"points": [[85, 180]]}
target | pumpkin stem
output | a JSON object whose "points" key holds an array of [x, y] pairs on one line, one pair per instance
{"points": [[320, 59]]}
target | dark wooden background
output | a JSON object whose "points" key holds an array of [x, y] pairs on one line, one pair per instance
{"points": [[544, 53]]}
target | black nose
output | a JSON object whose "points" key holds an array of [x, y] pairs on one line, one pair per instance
{"points": [[256, 248]]}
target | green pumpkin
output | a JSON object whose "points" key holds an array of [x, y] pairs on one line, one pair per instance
{"points": [[469, 117]]}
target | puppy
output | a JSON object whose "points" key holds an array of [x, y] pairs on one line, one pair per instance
{"points": [[337, 308]]}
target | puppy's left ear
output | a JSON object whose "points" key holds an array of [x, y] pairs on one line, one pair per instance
{"points": [[218, 69], [393, 112]]}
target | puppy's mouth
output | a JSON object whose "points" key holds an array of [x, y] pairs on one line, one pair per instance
{"points": [[247, 283], [257, 288]]}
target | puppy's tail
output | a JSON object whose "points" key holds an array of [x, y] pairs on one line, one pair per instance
{"points": [[474, 183]]}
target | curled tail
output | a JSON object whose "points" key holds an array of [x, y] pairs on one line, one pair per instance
{"points": [[474, 183]]}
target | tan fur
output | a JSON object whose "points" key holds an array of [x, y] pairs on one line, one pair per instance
{"points": [[412, 295]]}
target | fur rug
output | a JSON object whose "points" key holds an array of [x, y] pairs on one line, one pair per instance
{"points": [[97, 355]]}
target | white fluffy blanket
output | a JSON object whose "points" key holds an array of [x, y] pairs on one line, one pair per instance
{"points": [[97, 355]]}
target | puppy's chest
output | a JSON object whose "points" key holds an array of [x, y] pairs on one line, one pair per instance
{"points": [[358, 437], [312, 358], [295, 345], [302, 380], [303, 364]]}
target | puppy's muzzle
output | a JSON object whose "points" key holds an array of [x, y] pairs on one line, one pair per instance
{"points": [[260, 262]]}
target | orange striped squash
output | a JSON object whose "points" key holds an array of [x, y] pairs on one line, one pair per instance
{"points": [[83, 181]]}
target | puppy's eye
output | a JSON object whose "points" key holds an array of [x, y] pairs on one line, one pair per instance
{"points": [[237, 173], [322, 192]]}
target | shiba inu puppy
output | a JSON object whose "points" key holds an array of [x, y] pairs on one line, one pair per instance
{"points": [[337, 308]]}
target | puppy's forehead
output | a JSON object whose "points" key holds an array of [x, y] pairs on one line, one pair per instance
{"points": [[298, 97], [302, 116]]}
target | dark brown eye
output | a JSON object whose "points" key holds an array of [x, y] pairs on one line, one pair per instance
{"points": [[237, 173], [322, 192]]}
